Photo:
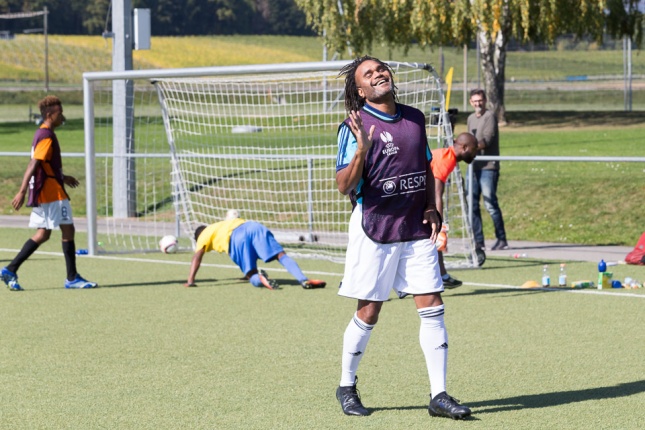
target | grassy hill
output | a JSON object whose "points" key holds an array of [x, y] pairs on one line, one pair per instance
{"points": [[22, 58], [584, 78]]}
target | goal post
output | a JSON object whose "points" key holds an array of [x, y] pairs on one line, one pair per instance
{"points": [[257, 138]]}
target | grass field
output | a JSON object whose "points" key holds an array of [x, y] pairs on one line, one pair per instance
{"points": [[143, 352]]}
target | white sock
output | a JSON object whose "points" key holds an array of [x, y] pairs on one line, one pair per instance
{"points": [[354, 342], [434, 343]]}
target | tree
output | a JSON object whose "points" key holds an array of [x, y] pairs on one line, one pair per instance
{"points": [[360, 23], [282, 17]]}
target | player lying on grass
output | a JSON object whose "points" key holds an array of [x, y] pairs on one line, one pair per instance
{"points": [[444, 161], [245, 242]]}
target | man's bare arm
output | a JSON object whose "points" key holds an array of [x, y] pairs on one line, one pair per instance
{"points": [[347, 179], [438, 193], [19, 199], [194, 267]]}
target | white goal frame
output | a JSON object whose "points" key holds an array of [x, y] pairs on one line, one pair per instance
{"points": [[439, 118]]}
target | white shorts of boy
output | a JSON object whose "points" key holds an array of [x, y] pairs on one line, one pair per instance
{"points": [[373, 269], [51, 215]]}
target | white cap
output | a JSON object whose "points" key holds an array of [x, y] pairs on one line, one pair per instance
{"points": [[232, 214]]}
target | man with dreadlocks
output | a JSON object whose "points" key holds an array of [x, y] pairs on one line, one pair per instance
{"points": [[383, 164]]}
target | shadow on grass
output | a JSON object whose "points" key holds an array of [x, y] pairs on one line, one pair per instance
{"points": [[182, 281], [414, 408], [534, 401], [129, 284], [507, 291], [490, 264]]}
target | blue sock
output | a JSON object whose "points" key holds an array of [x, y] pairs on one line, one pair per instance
{"points": [[293, 268], [255, 280]]}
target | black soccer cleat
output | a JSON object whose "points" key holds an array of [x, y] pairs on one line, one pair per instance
{"points": [[500, 245], [350, 401], [445, 406], [271, 284], [451, 283]]}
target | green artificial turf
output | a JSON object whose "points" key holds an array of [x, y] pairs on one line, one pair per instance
{"points": [[144, 352]]}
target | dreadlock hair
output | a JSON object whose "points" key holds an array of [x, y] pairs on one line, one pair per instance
{"points": [[45, 105], [353, 102]]}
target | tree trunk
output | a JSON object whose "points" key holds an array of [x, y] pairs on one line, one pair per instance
{"points": [[493, 64], [500, 76], [487, 55]]}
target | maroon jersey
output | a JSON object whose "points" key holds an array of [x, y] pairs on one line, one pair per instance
{"points": [[40, 176], [393, 187]]}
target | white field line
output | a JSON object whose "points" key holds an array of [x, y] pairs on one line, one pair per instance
{"points": [[179, 263], [560, 290], [232, 266]]}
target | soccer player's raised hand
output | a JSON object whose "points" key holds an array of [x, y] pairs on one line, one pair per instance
{"points": [[363, 138]]}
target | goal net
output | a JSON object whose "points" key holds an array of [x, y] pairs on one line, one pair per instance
{"points": [[261, 140]]}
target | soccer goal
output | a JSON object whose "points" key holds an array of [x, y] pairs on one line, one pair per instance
{"points": [[260, 139]]}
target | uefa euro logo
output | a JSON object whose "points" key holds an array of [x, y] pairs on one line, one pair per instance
{"points": [[389, 187], [386, 137]]}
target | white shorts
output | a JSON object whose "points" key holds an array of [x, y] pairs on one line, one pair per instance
{"points": [[51, 215], [373, 269]]}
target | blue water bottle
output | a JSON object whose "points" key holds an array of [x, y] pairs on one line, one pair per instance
{"points": [[602, 268]]}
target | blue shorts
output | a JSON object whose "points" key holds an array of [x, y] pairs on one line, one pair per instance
{"points": [[251, 241]]}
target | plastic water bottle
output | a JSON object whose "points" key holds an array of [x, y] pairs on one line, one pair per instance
{"points": [[562, 279], [602, 268], [81, 252], [546, 279]]}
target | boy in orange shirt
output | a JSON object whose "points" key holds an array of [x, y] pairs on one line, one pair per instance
{"points": [[48, 199], [443, 163]]}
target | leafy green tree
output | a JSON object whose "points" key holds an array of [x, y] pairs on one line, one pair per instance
{"points": [[399, 23], [96, 15], [283, 17]]}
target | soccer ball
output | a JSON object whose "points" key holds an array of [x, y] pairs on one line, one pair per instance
{"points": [[232, 214], [168, 244]]}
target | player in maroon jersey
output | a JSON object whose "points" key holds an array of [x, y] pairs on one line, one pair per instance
{"points": [[383, 163]]}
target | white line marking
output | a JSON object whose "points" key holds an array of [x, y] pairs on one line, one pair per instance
{"points": [[179, 263], [232, 266], [561, 290]]}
